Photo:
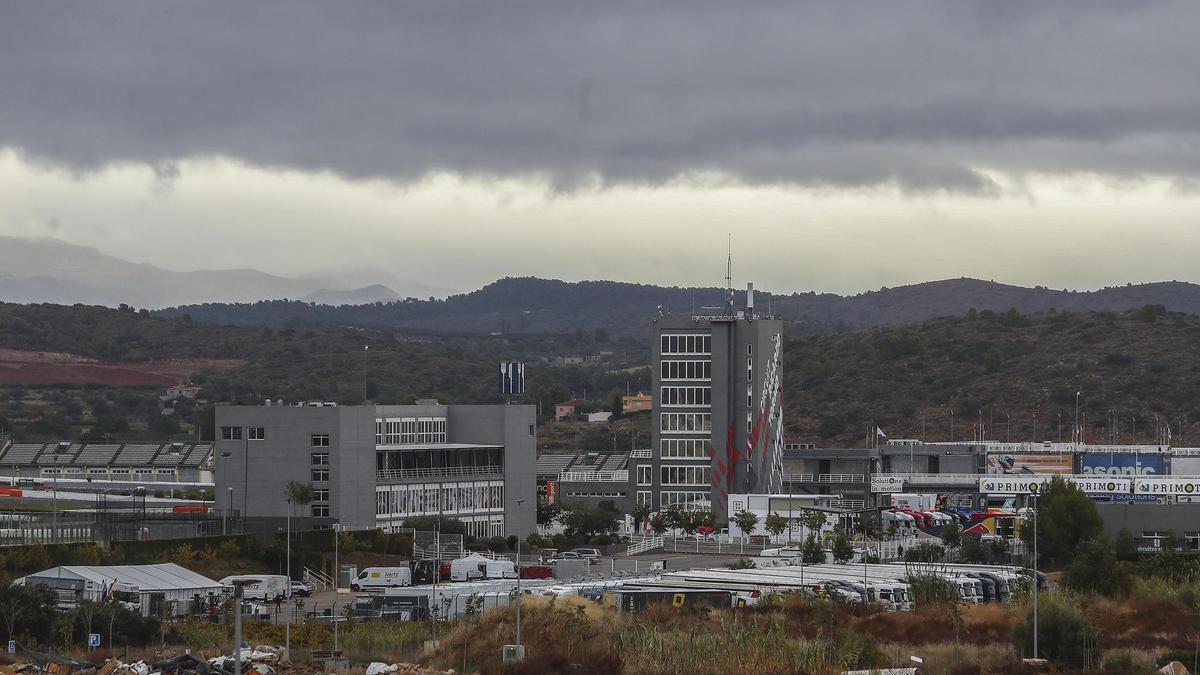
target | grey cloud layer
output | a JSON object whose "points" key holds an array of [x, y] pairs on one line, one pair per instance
{"points": [[917, 93]]}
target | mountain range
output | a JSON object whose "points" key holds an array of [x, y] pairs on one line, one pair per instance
{"points": [[530, 305], [50, 270]]}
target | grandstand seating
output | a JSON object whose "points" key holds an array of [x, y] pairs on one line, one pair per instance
{"points": [[136, 455], [96, 454], [22, 454]]}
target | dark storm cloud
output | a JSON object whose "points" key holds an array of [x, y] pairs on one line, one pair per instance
{"points": [[921, 94]]}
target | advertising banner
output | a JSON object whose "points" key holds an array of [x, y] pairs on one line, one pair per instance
{"points": [[1122, 464], [1003, 463], [887, 483], [1033, 484], [1166, 486], [1104, 485], [1012, 484], [1185, 466]]}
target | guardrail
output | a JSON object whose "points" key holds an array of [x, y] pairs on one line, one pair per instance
{"points": [[317, 579], [438, 472], [841, 478], [937, 478], [647, 544], [619, 476], [797, 477]]}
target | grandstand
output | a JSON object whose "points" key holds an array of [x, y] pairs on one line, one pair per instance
{"points": [[587, 477], [109, 462]]}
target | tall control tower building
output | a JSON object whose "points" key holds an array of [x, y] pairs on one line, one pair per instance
{"points": [[717, 414]]}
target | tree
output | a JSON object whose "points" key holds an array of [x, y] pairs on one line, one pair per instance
{"points": [[746, 522], [842, 550], [1124, 547], [812, 521], [952, 535], [775, 524], [30, 608], [618, 402], [1170, 541], [640, 513], [580, 520], [1066, 517], [298, 493], [972, 550], [658, 523], [812, 553], [1095, 569]]}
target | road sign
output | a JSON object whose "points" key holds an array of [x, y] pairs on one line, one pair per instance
{"points": [[93, 639], [12, 646]]}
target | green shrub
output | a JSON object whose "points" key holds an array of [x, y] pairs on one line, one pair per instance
{"points": [[1065, 636]]}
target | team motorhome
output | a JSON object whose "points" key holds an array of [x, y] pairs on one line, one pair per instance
{"points": [[266, 588]]}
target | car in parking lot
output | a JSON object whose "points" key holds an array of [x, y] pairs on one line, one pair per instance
{"points": [[564, 555], [592, 554], [301, 589]]}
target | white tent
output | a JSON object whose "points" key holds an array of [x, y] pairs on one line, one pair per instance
{"points": [[471, 567], [156, 584]]}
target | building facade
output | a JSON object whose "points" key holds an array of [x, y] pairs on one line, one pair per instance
{"points": [[378, 466], [716, 415]]}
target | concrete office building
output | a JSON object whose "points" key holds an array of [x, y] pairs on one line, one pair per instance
{"points": [[377, 466], [716, 419]]}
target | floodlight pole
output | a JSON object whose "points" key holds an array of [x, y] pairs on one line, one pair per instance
{"points": [[1035, 576], [519, 502], [287, 594], [237, 629]]}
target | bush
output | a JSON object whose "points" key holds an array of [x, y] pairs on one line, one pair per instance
{"points": [[924, 553], [1095, 569], [1064, 635]]}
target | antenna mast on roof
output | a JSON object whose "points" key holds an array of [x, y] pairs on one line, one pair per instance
{"points": [[729, 273]]}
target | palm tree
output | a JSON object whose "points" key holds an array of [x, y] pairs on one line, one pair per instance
{"points": [[298, 494]]}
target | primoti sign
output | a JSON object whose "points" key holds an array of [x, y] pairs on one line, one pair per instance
{"points": [[1032, 484], [1027, 484], [887, 484], [1166, 486], [1103, 485]]}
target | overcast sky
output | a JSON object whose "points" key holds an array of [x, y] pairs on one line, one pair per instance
{"points": [[844, 145]]}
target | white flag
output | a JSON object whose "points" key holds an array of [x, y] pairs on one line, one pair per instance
{"points": [[879, 432]]}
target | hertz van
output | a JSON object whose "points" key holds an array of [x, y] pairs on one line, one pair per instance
{"points": [[381, 577]]}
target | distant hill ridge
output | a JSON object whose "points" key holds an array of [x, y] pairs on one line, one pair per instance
{"points": [[533, 305]]}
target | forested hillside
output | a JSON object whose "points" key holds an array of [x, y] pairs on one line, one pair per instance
{"points": [[293, 364], [1006, 367]]}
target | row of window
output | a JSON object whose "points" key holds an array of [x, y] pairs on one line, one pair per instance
{"points": [[685, 475], [688, 501], [686, 396], [78, 471], [595, 494], [684, 448], [446, 498], [685, 370], [477, 526], [686, 344], [260, 434], [685, 422], [410, 430]]}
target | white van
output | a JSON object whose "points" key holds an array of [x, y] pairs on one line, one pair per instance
{"points": [[267, 588], [381, 577], [501, 569]]}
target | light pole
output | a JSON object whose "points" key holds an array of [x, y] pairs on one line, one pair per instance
{"points": [[225, 521], [336, 583], [287, 594], [54, 504], [1035, 576], [519, 650]]}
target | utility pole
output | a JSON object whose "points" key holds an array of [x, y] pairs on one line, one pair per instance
{"points": [[1077, 429], [287, 645]]}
